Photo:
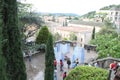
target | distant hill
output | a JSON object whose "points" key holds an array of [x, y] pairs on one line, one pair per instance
{"points": [[89, 14], [109, 7], [58, 14], [93, 13]]}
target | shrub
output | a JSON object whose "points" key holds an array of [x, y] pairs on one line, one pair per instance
{"points": [[87, 73]]}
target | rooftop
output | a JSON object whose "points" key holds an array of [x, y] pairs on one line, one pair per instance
{"points": [[115, 9], [75, 29]]}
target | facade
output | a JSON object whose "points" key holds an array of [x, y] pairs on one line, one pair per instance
{"points": [[114, 16], [83, 33]]}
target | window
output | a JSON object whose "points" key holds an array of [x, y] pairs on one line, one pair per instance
{"points": [[115, 18], [116, 13]]}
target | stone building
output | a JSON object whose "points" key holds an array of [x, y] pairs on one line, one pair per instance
{"points": [[83, 33]]}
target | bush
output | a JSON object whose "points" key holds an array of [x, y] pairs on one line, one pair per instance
{"points": [[87, 73], [43, 35]]}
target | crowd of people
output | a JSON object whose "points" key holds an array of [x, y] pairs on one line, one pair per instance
{"points": [[114, 67], [61, 66]]}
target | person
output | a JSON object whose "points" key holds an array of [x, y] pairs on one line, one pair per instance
{"points": [[113, 65], [117, 75], [29, 54], [55, 63], [61, 65], [96, 64], [64, 75], [77, 61], [68, 63]]}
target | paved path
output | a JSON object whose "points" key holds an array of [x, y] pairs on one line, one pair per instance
{"points": [[35, 68]]}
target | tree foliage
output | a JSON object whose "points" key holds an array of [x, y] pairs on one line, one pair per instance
{"points": [[24, 9], [3, 75], [90, 14], [27, 17], [109, 7], [42, 35], [57, 36], [29, 22], [49, 59], [102, 15], [107, 43], [87, 73], [108, 24], [73, 37], [15, 67]]}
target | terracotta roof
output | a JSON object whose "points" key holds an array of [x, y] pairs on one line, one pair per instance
{"points": [[75, 29]]}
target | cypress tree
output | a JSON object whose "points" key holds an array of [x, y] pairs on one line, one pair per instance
{"points": [[49, 59], [3, 75], [93, 33], [43, 35], [12, 45]]}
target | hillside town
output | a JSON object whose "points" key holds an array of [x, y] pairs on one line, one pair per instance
{"points": [[59, 46]]}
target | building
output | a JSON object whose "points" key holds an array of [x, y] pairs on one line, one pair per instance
{"points": [[114, 16], [83, 33]]}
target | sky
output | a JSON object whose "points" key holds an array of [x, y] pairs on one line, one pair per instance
{"points": [[70, 6]]}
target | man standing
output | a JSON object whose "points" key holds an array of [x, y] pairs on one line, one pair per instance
{"points": [[61, 65], [68, 63]]}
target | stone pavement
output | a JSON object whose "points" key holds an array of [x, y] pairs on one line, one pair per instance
{"points": [[35, 68]]}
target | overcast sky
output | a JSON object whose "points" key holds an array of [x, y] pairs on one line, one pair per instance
{"points": [[70, 6]]}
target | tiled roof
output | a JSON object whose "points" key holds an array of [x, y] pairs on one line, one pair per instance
{"points": [[75, 29]]}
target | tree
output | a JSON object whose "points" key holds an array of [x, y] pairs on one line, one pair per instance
{"points": [[15, 67], [107, 43], [73, 37], [3, 75], [57, 36], [102, 15], [42, 35], [87, 73], [24, 9], [108, 24], [76, 18], [90, 14], [93, 33], [49, 59]]}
